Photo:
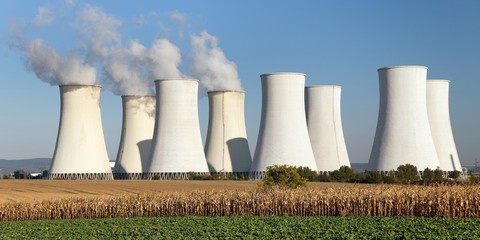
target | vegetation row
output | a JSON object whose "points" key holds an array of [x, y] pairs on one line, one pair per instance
{"points": [[267, 227], [456, 201]]}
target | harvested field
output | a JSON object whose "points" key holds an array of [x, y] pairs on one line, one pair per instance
{"points": [[37, 190]]}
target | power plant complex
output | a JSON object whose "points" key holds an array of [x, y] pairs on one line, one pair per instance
{"points": [[300, 126]]}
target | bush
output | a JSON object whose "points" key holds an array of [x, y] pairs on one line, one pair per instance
{"points": [[454, 175], [309, 174], [323, 177], [283, 176], [344, 174], [407, 173]]}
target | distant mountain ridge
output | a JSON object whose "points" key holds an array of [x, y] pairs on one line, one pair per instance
{"points": [[33, 165]]}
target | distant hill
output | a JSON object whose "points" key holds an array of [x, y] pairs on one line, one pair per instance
{"points": [[29, 165]]}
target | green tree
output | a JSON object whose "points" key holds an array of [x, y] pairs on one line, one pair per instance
{"points": [[407, 173], [428, 176], [343, 174], [307, 173], [283, 176]]}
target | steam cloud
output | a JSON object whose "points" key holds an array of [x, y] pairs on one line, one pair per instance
{"points": [[51, 68], [127, 70], [210, 65], [131, 70]]}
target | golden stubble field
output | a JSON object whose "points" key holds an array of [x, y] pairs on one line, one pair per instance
{"points": [[39, 190]]}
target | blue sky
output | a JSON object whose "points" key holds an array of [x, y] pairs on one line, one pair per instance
{"points": [[333, 42]]}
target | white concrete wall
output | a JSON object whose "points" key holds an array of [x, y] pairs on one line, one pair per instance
{"points": [[325, 127], [80, 144], [403, 131], [177, 143], [226, 148], [137, 132], [283, 134], [439, 117]]}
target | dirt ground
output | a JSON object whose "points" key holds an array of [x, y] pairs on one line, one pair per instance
{"points": [[38, 190]]}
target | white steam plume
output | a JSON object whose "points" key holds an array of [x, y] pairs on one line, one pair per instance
{"points": [[44, 17], [210, 65], [131, 71], [54, 69], [99, 31]]}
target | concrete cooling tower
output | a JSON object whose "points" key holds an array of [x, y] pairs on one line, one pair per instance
{"points": [[177, 147], [226, 148], [325, 127], [439, 117], [403, 131], [136, 139], [283, 134], [80, 152]]}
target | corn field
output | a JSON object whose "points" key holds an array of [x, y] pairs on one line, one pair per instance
{"points": [[381, 200]]}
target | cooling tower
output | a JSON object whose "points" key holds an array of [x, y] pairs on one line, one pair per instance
{"points": [[136, 139], [283, 134], [439, 117], [177, 147], [403, 132], [80, 152], [324, 123], [226, 148]]}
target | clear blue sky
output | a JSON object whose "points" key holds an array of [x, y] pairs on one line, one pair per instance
{"points": [[333, 42]]}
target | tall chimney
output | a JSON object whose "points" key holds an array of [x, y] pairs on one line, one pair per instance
{"points": [[136, 139], [325, 127], [403, 133], [80, 152], [226, 148], [177, 147], [439, 117], [283, 134]]}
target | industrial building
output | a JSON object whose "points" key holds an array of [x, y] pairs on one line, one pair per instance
{"points": [[440, 126], [226, 148], [403, 134], [80, 151], [283, 134], [177, 147], [325, 129], [136, 139]]}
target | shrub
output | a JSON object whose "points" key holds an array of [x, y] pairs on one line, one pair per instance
{"points": [[283, 176], [407, 173], [454, 175]]}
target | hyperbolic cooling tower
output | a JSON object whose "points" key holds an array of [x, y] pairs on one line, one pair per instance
{"points": [[80, 152], [325, 127], [439, 117], [226, 148], [283, 134], [177, 144], [136, 139], [403, 131]]}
